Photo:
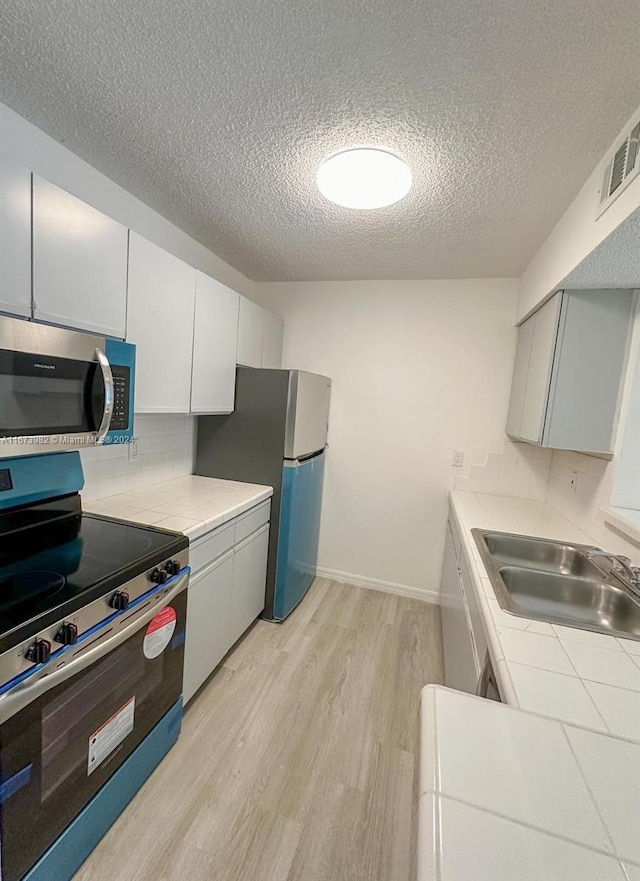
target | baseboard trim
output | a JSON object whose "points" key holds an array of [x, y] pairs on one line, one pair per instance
{"points": [[400, 590]]}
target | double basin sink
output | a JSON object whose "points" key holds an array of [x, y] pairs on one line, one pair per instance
{"points": [[556, 582]]}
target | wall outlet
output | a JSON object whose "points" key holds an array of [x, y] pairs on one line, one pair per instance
{"points": [[133, 449], [573, 480], [458, 458]]}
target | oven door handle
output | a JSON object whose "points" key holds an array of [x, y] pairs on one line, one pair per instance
{"points": [[11, 702], [107, 378]]}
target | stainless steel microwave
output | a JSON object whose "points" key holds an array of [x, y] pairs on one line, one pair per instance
{"points": [[62, 389]]}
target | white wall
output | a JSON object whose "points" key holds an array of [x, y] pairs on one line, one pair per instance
{"points": [[575, 235], [418, 369], [41, 154]]}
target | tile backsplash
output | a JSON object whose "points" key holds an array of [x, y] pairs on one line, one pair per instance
{"points": [[576, 485], [165, 447], [592, 488], [519, 470]]}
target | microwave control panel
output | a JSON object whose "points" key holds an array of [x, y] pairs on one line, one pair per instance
{"points": [[5, 480], [121, 383]]}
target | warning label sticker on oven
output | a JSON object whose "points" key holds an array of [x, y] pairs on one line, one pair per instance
{"points": [[110, 735], [159, 633]]}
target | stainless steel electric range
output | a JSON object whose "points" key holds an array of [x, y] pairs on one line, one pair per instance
{"points": [[92, 625]]}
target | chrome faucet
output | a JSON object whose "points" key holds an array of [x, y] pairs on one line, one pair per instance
{"points": [[630, 574]]}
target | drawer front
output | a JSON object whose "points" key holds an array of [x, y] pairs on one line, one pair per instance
{"points": [[475, 615], [251, 520], [212, 545]]}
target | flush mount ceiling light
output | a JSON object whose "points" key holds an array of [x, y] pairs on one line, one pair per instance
{"points": [[364, 178]]}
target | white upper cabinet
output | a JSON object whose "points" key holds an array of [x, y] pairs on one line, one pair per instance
{"points": [[272, 338], [568, 370], [519, 381], [79, 263], [15, 238], [260, 335], [532, 372], [215, 338], [160, 313], [250, 330]]}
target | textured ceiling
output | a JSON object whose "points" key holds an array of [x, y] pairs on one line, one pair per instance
{"points": [[217, 114], [614, 263]]}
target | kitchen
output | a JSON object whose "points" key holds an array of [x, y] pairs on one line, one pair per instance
{"points": [[480, 336]]}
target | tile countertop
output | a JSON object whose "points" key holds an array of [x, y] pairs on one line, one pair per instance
{"points": [[190, 504], [576, 676], [533, 800]]}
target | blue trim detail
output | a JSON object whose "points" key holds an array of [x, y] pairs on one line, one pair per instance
{"points": [[67, 854], [122, 355], [36, 478], [299, 532], [87, 634], [13, 784]]}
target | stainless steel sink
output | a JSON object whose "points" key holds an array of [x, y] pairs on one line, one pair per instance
{"points": [[572, 600], [536, 552], [556, 582]]}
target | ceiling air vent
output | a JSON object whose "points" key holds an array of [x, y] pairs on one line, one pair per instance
{"points": [[620, 168]]}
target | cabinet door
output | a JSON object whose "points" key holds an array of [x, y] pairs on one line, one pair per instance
{"points": [[160, 308], [79, 263], [250, 332], [215, 338], [519, 381], [460, 670], [272, 338], [208, 637], [249, 581], [543, 346], [587, 370], [15, 238]]}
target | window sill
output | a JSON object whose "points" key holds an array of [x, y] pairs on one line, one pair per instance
{"points": [[623, 520]]}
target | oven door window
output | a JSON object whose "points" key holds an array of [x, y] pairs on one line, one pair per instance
{"points": [[59, 751], [45, 395]]}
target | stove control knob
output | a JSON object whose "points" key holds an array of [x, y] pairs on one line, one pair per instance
{"points": [[172, 568], [119, 601], [39, 651], [68, 634], [159, 576]]}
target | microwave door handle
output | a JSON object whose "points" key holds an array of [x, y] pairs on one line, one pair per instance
{"points": [[11, 702], [107, 377]]}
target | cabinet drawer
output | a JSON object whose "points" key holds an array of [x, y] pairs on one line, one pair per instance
{"points": [[251, 520], [212, 545], [475, 615]]}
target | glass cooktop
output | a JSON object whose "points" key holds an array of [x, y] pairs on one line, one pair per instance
{"points": [[54, 555]]}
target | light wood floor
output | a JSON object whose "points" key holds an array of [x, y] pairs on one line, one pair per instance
{"points": [[298, 759]]}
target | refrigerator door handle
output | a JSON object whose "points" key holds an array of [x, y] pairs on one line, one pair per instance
{"points": [[294, 463]]}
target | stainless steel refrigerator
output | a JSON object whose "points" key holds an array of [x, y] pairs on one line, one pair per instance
{"points": [[277, 435]]}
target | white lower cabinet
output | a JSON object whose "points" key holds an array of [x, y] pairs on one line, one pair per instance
{"points": [[226, 592], [249, 579], [208, 622], [461, 669]]}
